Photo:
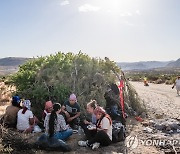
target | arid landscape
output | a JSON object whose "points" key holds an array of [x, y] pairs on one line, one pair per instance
{"points": [[124, 54], [162, 123]]}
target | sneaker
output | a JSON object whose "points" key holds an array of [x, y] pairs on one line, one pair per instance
{"points": [[82, 143], [75, 131], [95, 145]]}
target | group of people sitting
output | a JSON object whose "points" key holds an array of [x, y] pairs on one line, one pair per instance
{"points": [[60, 121], [20, 117]]}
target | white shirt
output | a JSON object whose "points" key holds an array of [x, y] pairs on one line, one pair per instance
{"points": [[105, 124], [23, 119], [177, 82]]}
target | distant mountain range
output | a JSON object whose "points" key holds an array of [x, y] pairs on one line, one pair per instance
{"points": [[145, 65], [174, 64], [10, 65], [13, 61]]}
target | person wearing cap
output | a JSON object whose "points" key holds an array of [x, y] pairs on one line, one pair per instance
{"points": [[71, 109], [177, 84], [47, 109], [10, 116], [103, 135], [25, 118]]}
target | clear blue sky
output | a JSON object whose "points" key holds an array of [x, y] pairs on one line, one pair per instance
{"points": [[123, 30]]}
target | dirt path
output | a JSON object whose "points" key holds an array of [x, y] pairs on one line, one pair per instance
{"points": [[159, 99], [163, 107]]}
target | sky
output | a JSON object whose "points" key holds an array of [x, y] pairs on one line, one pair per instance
{"points": [[123, 30]]}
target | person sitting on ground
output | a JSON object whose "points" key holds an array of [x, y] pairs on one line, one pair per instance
{"points": [[25, 118], [71, 109], [113, 106], [10, 116], [48, 108], [91, 121], [55, 125], [177, 84], [103, 127]]}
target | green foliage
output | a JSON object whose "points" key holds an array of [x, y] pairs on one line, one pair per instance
{"points": [[54, 77], [153, 76]]}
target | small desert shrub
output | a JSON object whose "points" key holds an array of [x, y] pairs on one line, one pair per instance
{"points": [[168, 82], [159, 81]]}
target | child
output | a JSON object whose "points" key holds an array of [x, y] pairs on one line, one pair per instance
{"points": [[103, 135], [55, 125], [71, 109]]}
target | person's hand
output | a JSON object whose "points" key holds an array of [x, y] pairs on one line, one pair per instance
{"points": [[91, 127], [67, 126], [67, 114], [70, 119], [86, 122]]}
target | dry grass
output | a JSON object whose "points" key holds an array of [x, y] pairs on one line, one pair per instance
{"points": [[13, 141]]}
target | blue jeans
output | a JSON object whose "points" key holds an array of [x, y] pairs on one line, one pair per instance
{"points": [[63, 135]]}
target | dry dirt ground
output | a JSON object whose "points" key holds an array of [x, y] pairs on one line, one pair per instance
{"points": [[162, 104], [163, 108], [159, 99]]}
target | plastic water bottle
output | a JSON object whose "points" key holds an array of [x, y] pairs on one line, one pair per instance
{"points": [[79, 130]]}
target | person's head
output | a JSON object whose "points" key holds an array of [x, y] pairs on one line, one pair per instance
{"points": [[26, 106], [115, 88], [16, 101], [72, 99], [49, 106], [53, 116], [178, 77], [57, 107], [91, 106], [99, 112]]}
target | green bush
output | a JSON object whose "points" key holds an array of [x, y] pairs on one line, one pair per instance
{"points": [[54, 77]]}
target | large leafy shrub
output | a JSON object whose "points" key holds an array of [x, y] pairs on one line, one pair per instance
{"points": [[54, 77]]}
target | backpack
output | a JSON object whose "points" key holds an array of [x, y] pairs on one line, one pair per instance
{"points": [[118, 132]]}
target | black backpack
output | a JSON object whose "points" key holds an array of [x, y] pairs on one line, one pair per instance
{"points": [[118, 132]]}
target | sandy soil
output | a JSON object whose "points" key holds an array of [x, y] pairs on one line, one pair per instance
{"points": [[163, 105], [159, 99]]}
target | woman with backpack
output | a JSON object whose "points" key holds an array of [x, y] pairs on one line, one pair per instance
{"points": [[103, 129]]}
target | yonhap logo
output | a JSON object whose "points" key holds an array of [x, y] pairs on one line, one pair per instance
{"points": [[131, 142]]}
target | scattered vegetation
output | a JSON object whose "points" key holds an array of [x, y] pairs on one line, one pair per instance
{"points": [[155, 76]]}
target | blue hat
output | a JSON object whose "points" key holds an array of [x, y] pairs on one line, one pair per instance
{"points": [[16, 99]]}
